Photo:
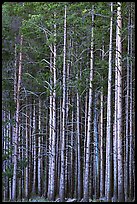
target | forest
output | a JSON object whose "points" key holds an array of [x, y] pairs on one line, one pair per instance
{"points": [[68, 101]]}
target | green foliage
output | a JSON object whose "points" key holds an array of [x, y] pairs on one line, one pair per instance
{"points": [[8, 171], [7, 153]]}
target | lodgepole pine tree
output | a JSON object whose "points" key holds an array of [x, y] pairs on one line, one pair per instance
{"points": [[87, 145], [53, 136], [62, 173], [16, 133], [108, 179], [119, 108]]}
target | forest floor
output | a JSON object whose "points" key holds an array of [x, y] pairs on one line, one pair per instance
{"points": [[43, 199]]}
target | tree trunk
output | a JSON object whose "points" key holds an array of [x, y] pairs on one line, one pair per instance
{"points": [[108, 182], [53, 139], [102, 176], [34, 144], [87, 154], [50, 127], [79, 175], [96, 149], [27, 156], [39, 151], [131, 159], [127, 119], [16, 133], [119, 110], [62, 175]]}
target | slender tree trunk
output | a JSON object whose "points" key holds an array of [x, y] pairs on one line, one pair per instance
{"points": [[39, 150], [30, 146], [108, 182], [127, 119], [79, 176], [115, 133], [72, 151], [34, 143], [4, 152], [119, 111], [62, 175], [87, 154], [53, 145], [16, 133], [96, 149], [45, 158], [50, 126], [131, 159], [27, 156], [102, 177]]}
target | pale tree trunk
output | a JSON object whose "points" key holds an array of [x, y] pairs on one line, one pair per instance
{"points": [[10, 159], [23, 155], [119, 110], [50, 127], [79, 175], [59, 142], [72, 151], [27, 156], [39, 150], [30, 145], [67, 153], [102, 177], [16, 133], [58, 145], [62, 173], [4, 152], [34, 148], [19, 177], [15, 98], [115, 162], [53, 139], [96, 149], [6, 149], [67, 129], [88, 136], [9, 145], [127, 119], [108, 178], [131, 159], [45, 158]]}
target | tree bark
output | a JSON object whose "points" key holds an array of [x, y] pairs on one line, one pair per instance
{"points": [[16, 133], [34, 144], [108, 182], [131, 159], [87, 154], [127, 118], [53, 143], [119, 110], [27, 156], [62, 173]]}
